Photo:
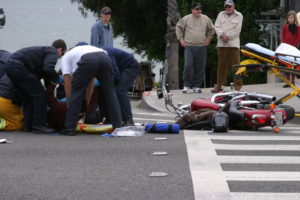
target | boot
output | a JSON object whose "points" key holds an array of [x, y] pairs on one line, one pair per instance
{"points": [[218, 88]]}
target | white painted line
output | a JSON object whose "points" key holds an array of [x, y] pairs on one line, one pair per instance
{"points": [[264, 196], [207, 175], [254, 137], [257, 147], [259, 159], [154, 113], [261, 176], [156, 120]]}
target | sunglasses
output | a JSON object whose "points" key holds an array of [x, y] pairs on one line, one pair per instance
{"points": [[107, 13], [198, 8], [228, 6]]}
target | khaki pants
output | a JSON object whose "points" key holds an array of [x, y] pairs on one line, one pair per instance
{"points": [[227, 57]]}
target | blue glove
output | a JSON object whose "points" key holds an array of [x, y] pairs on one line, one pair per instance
{"points": [[63, 100], [96, 83], [60, 79]]}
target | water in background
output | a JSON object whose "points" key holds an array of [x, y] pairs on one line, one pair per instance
{"points": [[40, 22]]}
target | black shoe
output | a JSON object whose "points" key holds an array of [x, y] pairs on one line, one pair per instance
{"points": [[27, 129], [128, 122], [68, 132], [42, 130], [285, 86]]}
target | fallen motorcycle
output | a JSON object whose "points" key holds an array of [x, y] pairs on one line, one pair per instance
{"points": [[244, 111]]}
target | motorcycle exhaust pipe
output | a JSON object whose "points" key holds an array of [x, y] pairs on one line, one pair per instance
{"points": [[263, 96]]}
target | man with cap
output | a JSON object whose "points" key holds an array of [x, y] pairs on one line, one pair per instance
{"points": [[228, 26], [194, 31], [102, 31]]}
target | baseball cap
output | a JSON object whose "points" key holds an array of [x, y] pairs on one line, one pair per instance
{"points": [[196, 5], [229, 2], [106, 10]]}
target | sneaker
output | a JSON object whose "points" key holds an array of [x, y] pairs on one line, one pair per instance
{"points": [[185, 89], [197, 90]]}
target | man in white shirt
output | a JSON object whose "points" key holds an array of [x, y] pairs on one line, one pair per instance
{"points": [[79, 66]]}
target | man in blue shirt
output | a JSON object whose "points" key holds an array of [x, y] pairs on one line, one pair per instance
{"points": [[128, 68], [102, 31], [26, 68]]}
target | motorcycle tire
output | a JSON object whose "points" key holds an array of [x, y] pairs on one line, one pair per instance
{"points": [[290, 111]]}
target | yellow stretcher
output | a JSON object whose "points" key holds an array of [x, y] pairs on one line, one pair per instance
{"points": [[273, 63]]}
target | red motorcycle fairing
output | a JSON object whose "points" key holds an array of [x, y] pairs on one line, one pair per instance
{"points": [[203, 103], [263, 117]]}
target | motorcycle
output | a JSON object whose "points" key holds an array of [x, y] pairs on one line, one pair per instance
{"points": [[244, 110]]}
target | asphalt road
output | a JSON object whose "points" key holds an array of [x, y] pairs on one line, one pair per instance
{"points": [[199, 165]]}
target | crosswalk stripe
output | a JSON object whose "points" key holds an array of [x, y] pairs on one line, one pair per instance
{"points": [[264, 196], [257, 147], [263, 176], [260, 159], [252, 159], [255, 137]]}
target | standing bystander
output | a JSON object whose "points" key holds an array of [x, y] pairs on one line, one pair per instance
{"points": [[102, 31], [194, 31], [228, 26], [291, 35]]}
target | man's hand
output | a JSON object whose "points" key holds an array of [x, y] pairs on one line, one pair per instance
{"points": [[224, 37], [207, 41], [183, 43]]}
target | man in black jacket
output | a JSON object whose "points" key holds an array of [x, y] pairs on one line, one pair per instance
{"points": [[26, 68]]}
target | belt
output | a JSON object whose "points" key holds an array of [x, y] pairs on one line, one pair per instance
{"points": [[16, 61]]}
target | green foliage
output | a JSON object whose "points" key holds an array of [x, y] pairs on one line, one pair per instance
{"points": [[142, 23]]}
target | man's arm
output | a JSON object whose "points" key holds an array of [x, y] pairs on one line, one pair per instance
{"points": [[89, 91], [180, 31], [210, 31], [96, 35], [67, 85]]}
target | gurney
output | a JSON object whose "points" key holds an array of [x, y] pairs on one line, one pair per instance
{"points": [[286, 58]]}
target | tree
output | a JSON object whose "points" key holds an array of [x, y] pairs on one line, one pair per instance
{"points": [[142, 24]]}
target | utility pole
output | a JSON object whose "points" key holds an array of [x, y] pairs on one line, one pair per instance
{"points": [[171, 63]]}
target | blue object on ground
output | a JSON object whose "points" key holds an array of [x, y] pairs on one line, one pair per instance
{"points": [[108, 135], [162, 128]]}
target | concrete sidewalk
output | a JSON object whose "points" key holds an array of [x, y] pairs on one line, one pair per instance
{"points": [[151, 101]]}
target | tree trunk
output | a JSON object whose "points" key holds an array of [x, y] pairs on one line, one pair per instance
{"points": [[172, 44], [172, 76]]}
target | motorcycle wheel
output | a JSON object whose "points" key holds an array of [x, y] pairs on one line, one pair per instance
{"points": [[290, 111]]}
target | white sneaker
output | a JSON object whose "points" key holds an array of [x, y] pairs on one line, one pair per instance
{"points": [[197, 90], [185, 89]]}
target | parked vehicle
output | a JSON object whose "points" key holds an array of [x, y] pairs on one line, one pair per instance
{"points": [[2, 18]]}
